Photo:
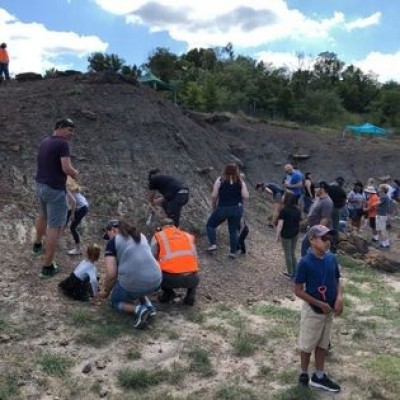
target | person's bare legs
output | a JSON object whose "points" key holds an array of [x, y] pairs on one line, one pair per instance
{"points": [[319, 355], [41, 225], [304, 360], [52, 236]]}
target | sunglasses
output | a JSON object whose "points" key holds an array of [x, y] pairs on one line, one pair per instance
{"points": [[326, 238]]}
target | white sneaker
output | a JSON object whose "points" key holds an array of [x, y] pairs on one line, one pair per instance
{"points": [[213, 247], [74, 252]]}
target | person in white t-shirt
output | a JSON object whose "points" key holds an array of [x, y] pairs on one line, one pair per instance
{"points": [[83, 282]]}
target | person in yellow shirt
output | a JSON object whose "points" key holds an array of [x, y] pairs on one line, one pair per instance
{"points": [[4, 60]]}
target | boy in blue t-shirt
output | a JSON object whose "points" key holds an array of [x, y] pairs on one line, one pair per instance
{"points": [[317, 282]]}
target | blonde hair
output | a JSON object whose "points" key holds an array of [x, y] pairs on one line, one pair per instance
{"points": [[73, 185], [384, 187], [93, 252]]}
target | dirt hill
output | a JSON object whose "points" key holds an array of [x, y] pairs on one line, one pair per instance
{"points": [[122, 132]]}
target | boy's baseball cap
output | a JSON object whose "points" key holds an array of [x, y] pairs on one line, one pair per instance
{"points": [[319, 231], [323, 185]]}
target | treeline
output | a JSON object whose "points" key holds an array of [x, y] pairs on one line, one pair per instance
{"points": [[216, 79]]}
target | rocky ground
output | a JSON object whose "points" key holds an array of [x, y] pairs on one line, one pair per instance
{"points": [[123, 131]]}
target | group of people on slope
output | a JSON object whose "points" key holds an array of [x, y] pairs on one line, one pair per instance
{"points": [[134, 268]]}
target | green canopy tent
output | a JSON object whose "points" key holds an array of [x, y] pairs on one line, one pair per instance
{"points": [[156, 83], [365, 129]]}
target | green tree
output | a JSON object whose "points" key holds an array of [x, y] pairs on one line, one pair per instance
{"points": [[192, 96], [105, 62], [209, 95], [163, 64], [327, 70]]}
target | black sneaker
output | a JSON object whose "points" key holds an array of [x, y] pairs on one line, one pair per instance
{"points": [[37, 249], [189, 300], [48, 272], [324, 383], [142, 316], [303, 379]]}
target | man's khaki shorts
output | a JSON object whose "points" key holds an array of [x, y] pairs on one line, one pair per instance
{"points": [[380, 223], [315, 329]]}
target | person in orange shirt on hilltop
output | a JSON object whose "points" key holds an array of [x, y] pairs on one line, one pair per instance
{"points": [[4, 60], [175, 250], [371, 210]]}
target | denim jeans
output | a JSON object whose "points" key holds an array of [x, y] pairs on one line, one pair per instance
{"points": [[4, 70], [231, 213], [289, 250], [305, 245]]}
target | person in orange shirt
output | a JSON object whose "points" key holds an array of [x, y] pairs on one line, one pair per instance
{"points": [[4, 60], [371, 210], [175, 251]]}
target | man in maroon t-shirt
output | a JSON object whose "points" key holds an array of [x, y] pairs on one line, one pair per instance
{"points": [[53, 167]]}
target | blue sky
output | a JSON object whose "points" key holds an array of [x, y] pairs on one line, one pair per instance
{"points": [[42, 34]]}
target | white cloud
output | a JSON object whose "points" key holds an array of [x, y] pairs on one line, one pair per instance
{"points": [[362, 23], [386, 66], [34, 48], [212, 23]]}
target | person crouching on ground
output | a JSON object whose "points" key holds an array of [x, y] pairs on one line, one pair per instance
{"points": [[317, 282], [176, 253], [76, 285], [132, 272]]}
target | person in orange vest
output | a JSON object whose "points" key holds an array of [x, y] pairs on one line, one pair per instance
{"points": [[175, 250], [4, 60]]}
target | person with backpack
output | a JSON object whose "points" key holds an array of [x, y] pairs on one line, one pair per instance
{"points": [[228, 195]]}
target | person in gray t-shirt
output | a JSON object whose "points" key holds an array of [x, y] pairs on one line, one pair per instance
{"points": [[320, 213], [132, 272]]}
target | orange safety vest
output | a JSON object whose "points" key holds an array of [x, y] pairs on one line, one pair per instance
{"points": [[177, 253], [3, 56]]}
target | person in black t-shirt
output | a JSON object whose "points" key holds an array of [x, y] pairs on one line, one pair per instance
{"points": [[339, 198], [174, 194]]}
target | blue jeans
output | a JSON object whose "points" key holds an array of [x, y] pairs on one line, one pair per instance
{"points": [[4, 70], [233, 214], [120, 295]]}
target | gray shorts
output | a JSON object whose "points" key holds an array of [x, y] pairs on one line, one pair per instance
{"points": [[53, 204]]}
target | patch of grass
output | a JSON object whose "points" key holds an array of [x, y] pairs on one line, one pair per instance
{"points": [[354, 290], [137, 379], [220, 329], [386, 370], [100, 333], [200, 362], [54, 364], [279, 330], [296, 393], [275, 312], [80, 316], [233, 392], [195, 316], [287, 377], [245, 343], [264, 370], [172, 334], [8, 387], [133, 354]]}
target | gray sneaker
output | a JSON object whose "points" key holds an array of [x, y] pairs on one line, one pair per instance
{"points": [[142, 316]]}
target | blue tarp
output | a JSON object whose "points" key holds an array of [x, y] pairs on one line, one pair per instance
{"points": [[366, 129]]}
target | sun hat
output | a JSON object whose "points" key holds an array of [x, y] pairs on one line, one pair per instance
{"points": [[370, 189]]}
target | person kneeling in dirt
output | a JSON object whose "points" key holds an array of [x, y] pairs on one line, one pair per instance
{"points": [[176, 252], [132, 273], [77, 285]]}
